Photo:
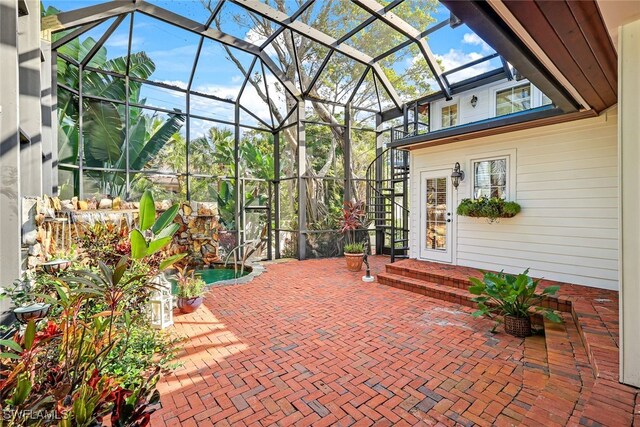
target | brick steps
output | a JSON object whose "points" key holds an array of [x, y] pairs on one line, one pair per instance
{"points": [[570, 375], [457, 278], [562, 399], [434, 286], [557, 375], [427, 288], [406, 270]]}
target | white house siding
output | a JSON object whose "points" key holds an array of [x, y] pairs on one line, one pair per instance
{"points": [[566, 180], [485, 103]]}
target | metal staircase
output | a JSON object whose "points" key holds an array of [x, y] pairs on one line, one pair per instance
{"points": [[388, 201]]}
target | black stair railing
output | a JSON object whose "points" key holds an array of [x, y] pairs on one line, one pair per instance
{"points": [[387, 202]]}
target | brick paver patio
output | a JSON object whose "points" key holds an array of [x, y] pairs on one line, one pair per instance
{"points": [[308, 343]]}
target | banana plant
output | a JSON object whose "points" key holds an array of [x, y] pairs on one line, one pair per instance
{"points": [[153, 234], [105, 123]]}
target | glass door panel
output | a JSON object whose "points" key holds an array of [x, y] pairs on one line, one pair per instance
{"points": [[436, 216]]}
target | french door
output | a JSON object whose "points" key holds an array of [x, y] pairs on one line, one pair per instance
{"points": [[436, 216]]}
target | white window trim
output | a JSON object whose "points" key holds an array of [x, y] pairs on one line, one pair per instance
{"points": [[456, 102], [509, 85], [510, 156], [539, 96]]}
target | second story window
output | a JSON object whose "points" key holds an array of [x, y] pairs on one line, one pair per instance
{"points": [[449, 116], [513, 99]]}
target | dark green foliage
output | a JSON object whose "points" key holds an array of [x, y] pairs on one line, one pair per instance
{"points": [[142, 349], [105, 123], [354, 248], [507, 294], [491, 208], [134, 408]]}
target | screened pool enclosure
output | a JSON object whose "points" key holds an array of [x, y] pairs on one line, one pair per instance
{"points": [[278, 110]]}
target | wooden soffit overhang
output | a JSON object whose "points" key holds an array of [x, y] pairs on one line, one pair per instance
{"points": [[562, 46]]}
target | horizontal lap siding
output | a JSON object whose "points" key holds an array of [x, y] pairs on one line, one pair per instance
{"points": [[567, 185]]}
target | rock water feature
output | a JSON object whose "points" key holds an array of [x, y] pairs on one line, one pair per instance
{"points": [[53, 226], [198, 232]]}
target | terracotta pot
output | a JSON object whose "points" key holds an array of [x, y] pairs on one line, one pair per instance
{"points": [[354, 261], [517, 326], [189, 305]]}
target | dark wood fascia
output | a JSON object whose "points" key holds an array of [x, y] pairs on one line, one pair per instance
{"points": [[486, 23]]}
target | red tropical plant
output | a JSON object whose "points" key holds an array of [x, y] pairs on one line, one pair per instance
{"points": [[353, 215]]}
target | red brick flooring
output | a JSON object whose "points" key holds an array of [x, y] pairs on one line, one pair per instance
{"points": [[308, 343]]}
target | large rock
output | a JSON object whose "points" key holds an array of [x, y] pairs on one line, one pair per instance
{"points": [[105, 204], [35, 249]]}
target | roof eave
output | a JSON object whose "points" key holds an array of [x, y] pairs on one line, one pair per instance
{"points": [[519, 121]]}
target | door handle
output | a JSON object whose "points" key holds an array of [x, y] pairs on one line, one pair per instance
{"points": [[448, 219]]}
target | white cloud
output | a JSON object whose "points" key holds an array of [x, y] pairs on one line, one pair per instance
{"points": [[121, 41], [257, 39], [456, 58], [475, 40], [224, 111]]}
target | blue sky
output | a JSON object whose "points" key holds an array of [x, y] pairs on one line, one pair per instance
{"points": [[173, 50]]}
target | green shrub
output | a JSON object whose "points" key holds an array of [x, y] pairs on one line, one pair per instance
{"points": [[354, 248], [485, 207], [142, 350], [507, 294]]}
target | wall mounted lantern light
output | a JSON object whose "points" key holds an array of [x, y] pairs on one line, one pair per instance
{"points": [[457, 176], [474, 101]]}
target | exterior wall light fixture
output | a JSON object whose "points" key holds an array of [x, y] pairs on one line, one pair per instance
{"points": [[457, 176]]}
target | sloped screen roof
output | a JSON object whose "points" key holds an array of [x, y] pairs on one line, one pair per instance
{"points": [[269, 54]]}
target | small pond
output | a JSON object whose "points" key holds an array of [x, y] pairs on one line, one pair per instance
{"points": [[212, 275], [216, 274]]}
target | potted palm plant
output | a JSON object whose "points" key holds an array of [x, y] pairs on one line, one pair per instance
{"points": [[511, 297], [353, 214], [190, 290]]}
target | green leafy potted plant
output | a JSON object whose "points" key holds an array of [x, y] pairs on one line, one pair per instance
{"points": [[353, 214], [511, 297], [190, 290], [354, 253]]}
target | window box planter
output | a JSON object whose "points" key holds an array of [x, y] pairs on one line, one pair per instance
{"points": [[492, 209]]}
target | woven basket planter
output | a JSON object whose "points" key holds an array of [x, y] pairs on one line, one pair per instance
{"points": [[517, 326]]}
